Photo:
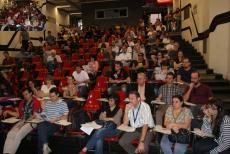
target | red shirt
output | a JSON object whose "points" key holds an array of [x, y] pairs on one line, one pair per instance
{"points": [[201, 94], [36, 106]]}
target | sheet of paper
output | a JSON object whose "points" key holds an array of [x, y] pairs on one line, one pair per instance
{"points": [[63, 122], [87, 130], [126, 128], [162, 130], [189, 104], [14, 99], [157, 102], [92, 124], [11, 120]]}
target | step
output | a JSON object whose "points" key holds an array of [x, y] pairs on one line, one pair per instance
{"points": [[221, 90], [200, 66], [216, 82], [197, 61]]}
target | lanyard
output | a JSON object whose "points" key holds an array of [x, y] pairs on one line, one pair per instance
{"points": [[135, 117]]}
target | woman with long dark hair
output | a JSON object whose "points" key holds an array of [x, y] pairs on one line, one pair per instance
{"points": [[216, 122], [112, 118]]}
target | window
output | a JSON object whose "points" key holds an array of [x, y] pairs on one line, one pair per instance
{"points": [[186, 13], [111, 13]]}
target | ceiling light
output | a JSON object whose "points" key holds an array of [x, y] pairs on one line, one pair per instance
{"points": [[63, 6]]}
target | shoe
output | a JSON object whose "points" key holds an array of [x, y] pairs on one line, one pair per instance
{"points": [[46, 149], [82, 152]]}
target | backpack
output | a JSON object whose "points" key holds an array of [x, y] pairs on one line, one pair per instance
{"points": [[77, 117]]}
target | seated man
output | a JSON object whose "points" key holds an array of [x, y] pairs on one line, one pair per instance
{"points": [[54, 110], [81, 79], [184, 73], [138, 114], [8, 62], [197, 93], [165, 94], [145, 90], [119, 77], [28, 106]]}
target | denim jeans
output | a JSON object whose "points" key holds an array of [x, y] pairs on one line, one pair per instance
{"points": [[96, 140], [45, 130], [166, 146]]}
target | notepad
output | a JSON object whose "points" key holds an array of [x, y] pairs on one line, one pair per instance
{"points": [[87, 130], [162, 130], [126, 128], [63, 122], [11, 120]]}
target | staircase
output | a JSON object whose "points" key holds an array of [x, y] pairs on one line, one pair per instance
{"points": [[219, 85]]}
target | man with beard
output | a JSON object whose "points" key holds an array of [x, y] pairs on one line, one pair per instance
{"points": [[198, 94]]}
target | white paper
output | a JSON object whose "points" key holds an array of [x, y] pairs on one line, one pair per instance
{"points": [[158, 102], [92, 124], [87, 130], [160, 129], [126, 128], [11, 120], [103, 100], [14, 99], [79, 99], [189, 104], [63, 122]]}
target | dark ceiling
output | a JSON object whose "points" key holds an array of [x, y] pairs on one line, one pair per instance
{"points": [[74, 6]]}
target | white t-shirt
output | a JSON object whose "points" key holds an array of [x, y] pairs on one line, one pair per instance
{"points": [[82, 76], [45, 89]]}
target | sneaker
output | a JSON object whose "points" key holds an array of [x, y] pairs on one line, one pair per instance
{"points": [[46, 149]]}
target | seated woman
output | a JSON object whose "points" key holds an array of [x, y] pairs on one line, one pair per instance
{"points": [[26, 110], [44, 92], [216, 122], [176, 118], [69, 91], [161, 72], [112, 117]]}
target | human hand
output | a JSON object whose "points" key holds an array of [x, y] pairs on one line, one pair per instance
{"points": [[140, 148]]}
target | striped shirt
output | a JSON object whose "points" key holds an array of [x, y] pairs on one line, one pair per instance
{"points": [[168, 91], [55, 109], [224, 137], [207, 126]]}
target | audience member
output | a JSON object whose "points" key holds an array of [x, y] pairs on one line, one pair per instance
{"points": [[138, 114], [26, 111], [54, 110], [81, 78], [176, 118], [111, 118]]}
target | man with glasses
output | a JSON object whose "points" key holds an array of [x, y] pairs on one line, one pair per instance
{"points": [[184, 73]]}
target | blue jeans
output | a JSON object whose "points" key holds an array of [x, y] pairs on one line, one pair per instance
{"points": [[96, 140], [166, 146], [45, 130]]}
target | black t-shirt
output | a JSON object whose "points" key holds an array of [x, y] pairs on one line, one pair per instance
{"points": [[121, 75]]}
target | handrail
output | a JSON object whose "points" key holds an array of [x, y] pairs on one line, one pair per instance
{"points": [[217, 20]]}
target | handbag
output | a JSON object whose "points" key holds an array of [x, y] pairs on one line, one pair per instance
{"points": [[183, 136], [106, 124]]}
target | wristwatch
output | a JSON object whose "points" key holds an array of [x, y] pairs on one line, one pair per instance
{"points": [[141, 141]]}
